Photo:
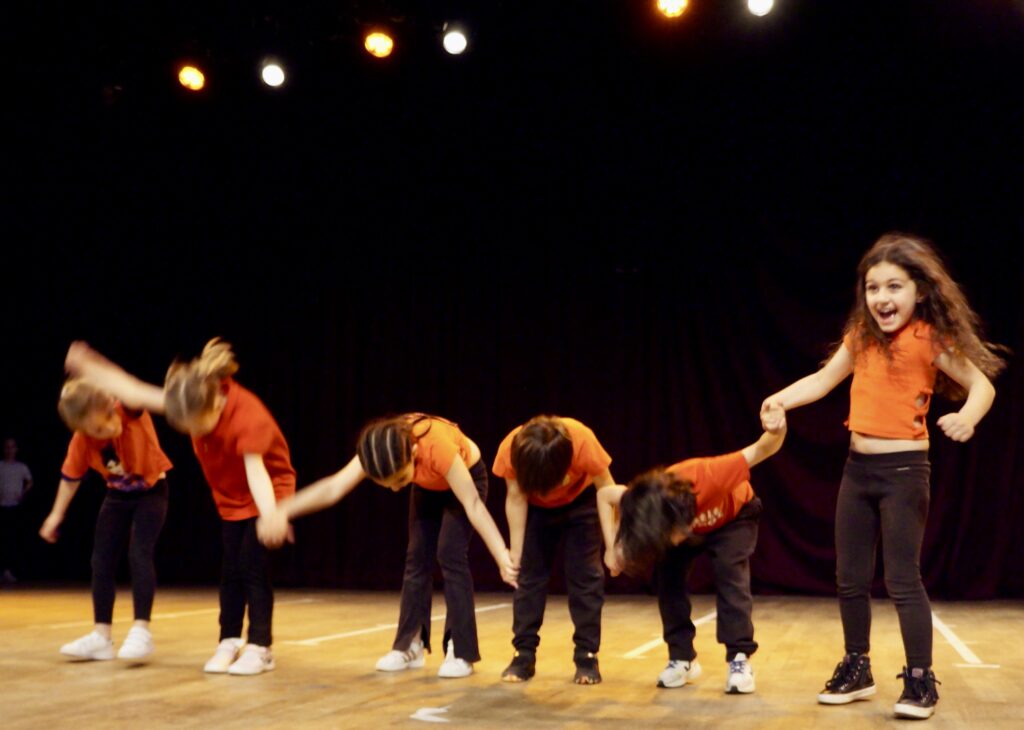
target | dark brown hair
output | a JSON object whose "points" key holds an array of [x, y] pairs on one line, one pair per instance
{"points": [[656, 505], [384, 446], [955, 326], [541, 454]]}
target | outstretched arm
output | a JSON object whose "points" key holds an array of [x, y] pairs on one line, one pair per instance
{"points": [[960, 426], [65, 493], [812, 387], [84, 362], [461, 482]]}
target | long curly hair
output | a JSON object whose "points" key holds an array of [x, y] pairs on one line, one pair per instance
{"points": [[955, 326], [657, 505]]}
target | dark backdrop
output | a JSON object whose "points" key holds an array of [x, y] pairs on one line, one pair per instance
{"points": [[643, 226]]}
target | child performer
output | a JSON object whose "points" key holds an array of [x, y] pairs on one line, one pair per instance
{"points": [[121, 445], [446, 502], [910, 332], [245, 460], [667, 517], [548, 463]]}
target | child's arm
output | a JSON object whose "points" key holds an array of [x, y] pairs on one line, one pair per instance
{"points": [[959, 426], [774, 418], [272, 528], [608, 498], [65, 493], [461, 482], [86, 363], [812, 387], [516, 510]]}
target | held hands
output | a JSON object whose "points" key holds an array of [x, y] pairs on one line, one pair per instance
{"points": [[956, 426], [273, 530], [49, 530], [613, 560], [509, 568], [773, 416]]}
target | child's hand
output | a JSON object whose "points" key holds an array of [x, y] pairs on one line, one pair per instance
{"points": [[773, 416], [613, 560], [273, 529], [956, 427], [509, 569], [49, 529], [79, 354]]}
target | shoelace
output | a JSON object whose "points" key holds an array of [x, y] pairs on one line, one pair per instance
{"points": [[922, 686], [844, 670], [737, 666]]}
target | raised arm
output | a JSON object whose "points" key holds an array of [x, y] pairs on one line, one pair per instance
{"points": [[84, 362], [65, 493], [461, 482], [812, 387], [960, 426]]}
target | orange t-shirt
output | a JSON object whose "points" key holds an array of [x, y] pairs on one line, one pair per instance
{"points": [[436, 451], [128, 463], [588, 460], [721, 485], [884, 392], [245, 427]]}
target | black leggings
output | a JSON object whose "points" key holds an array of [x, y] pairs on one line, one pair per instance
{"points": [[245, 580], [884, 495], [141, 516]]}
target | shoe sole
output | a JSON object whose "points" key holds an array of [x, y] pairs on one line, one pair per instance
{"points": [[861, 694], [732, 689], [913, 711], [266, 668], [443, 675], [414, 664], [102, 657], [136, 658]]}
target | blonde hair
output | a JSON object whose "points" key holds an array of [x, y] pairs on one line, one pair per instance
{"points": [[78, 399], [190, 389]]}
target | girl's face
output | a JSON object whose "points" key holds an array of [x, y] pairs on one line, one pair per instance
{"points": [[203, 423], [102, 424], [891, 296]]}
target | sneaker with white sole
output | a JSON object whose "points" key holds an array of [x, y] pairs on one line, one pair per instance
{"points": [[850, 682], [396, 661], [137, 645], [452, 667], [919, 693], [224, 657], [741, 676], [254, 660], [91, 646], [678, 672]]}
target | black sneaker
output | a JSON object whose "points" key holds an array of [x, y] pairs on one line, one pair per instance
{"points": [[521, 668], [851, 681], [919, 693], [587, 671]]}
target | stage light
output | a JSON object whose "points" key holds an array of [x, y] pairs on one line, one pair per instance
{"points": [[760, 8], [379, 44], [272, 74], [191, 78], [672, 8], [454, 41]]}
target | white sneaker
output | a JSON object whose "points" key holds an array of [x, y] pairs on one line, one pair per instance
{"points": [[452, 667], [741, 676], [254, 660], [678, 672], [90, 646], [137, 645], [222, 659], [396, 661]]}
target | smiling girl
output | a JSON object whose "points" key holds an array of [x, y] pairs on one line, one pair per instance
{"points": [[910, 333]]}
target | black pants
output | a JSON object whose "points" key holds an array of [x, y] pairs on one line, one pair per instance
{"points": [[8, 537], [438, 525], [884, 495], [245, 581], [139, 516], [729, 549], [578, 523]]}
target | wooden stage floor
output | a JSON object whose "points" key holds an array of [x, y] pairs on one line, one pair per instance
{"points": [[326, 644]]}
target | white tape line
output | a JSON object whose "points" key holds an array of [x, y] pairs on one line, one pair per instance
{"points": [[639, 652], [968, 656], [162, 616]]}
